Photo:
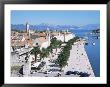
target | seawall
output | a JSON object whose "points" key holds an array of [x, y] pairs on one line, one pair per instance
{"points": [[78, 60]]}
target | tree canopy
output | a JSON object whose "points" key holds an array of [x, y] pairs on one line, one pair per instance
{"points": [[36, 51], [64, 55]]}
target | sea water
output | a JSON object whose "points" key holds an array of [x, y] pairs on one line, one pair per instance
{"points": [[93, 51]]}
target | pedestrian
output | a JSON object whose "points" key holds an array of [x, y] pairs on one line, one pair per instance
{"points": [[21, 70], [59, 74], [26, 59]]}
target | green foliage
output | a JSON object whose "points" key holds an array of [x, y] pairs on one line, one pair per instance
{"points": [[55, 43], [49, 49], [15, 68], [44, 53], [36, 51], [64, 56]]}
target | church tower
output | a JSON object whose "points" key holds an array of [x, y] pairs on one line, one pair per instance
{"points": [[48, 36], [27, 27]]}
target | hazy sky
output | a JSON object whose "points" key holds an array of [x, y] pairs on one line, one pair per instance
{"points": [[70, 17]]}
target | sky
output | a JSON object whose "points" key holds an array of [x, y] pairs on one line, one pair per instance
{"points": [[57, 17]]}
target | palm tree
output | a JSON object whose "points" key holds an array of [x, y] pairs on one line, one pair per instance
{"points": [[64, 55], [36, 51], [58, 45], [44, 53], [50, 50], [62, 60], [55, 43]]}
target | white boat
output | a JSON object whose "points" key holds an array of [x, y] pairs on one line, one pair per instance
{"points": [[93, 43]]}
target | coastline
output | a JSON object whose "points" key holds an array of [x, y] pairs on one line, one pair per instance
{"points": [[93, 51]]}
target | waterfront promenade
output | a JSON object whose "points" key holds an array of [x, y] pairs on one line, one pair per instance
{"points": [[78, 60]]}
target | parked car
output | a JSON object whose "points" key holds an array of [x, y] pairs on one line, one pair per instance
{"points": [[47, 72], [84, 74], [69, 72], [39, 66]]}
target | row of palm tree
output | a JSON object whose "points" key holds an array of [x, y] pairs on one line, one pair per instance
{"points": [[46, 51], [64, 55], [55, 44]]}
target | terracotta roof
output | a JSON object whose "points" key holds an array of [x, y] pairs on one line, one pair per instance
{"points": [[30, 42], [40, 34], [68, 33], [55, 33], [23, 34], [22, 43], [42, 39]]}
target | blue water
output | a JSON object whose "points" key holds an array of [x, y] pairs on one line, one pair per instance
{"points": [[93, 52]]}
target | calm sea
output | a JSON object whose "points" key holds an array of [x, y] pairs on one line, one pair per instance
{"points": [[93, 51]]}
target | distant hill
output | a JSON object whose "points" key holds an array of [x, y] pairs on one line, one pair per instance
{"points": [[96, 31], [90, 27], [44, 26]]}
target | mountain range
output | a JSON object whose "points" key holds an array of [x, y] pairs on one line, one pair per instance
{"points": [[44, 26]]}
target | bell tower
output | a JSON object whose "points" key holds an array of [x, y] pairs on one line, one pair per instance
{"points": [[27, 27], [48, 36]]}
